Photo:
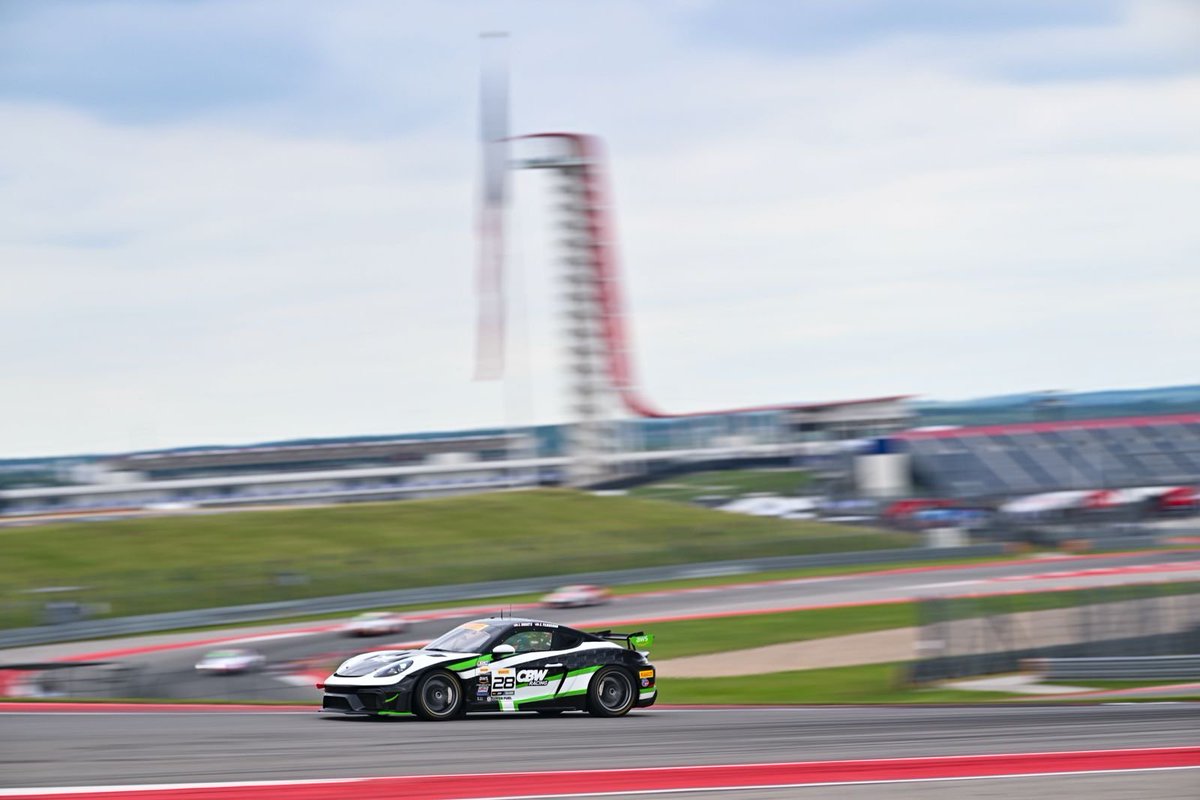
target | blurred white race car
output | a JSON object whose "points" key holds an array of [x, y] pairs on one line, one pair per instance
{"points": [[231, 661], [576, 596], [376, 623]]}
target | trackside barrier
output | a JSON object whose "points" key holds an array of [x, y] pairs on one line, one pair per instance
{"points": [[1133, 668], [231, 615], [979, 635]]}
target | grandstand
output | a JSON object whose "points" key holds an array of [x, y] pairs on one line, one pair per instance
{"points": [[338, 471], [996, 460], [345, 470], [850, 419], [200, 463]]}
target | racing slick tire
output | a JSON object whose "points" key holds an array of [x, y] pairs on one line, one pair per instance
{"points": [[438, 697], [611, 693]]}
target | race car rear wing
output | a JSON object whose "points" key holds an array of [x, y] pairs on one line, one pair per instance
{"points": [[634, 641]]}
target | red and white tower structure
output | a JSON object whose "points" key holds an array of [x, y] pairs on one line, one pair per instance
{"points": [[593, 338], [602, 384]]}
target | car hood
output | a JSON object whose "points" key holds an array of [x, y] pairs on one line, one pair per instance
{"points": [[362, 667]]}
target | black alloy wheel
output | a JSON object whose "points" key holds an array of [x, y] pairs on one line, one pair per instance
{"points": [[611, 693], [438, 697]]}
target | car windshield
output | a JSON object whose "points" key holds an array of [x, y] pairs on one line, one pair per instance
{"points": [[466, 638]]}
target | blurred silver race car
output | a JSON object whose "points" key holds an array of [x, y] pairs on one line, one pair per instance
{"points": [[376, 623], [231, 661], [576, 596]]}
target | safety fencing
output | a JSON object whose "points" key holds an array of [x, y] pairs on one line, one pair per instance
{"points": [[963, 636]]}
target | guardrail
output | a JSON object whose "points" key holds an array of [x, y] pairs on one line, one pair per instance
{"points": [[232, 615], [1147, 668]]}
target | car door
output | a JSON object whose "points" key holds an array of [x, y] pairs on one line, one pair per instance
{"points": [[532, 674]]}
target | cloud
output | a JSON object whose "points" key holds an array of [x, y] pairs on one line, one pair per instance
{"points": [[822, 26], [145, 62], [899, 211]]}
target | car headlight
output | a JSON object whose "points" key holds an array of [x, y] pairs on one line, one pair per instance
{"points": [[393, 669]]}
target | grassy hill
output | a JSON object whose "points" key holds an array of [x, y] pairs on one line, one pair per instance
{"points": [[168, 563]]}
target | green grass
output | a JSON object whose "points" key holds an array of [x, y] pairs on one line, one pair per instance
{"points": [[722, 634], [149, 565], [728, 483], [867, 683]]}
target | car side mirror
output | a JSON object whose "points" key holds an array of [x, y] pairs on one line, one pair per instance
{"points": [[503, 650]]}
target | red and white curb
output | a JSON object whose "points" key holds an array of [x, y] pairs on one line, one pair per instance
{"points": [[590, 783]]}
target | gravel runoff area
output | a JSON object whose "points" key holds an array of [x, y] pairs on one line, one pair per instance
{"points": [[877, 647]]}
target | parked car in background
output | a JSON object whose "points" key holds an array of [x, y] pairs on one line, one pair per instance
{"points": [[376, 623], [577, 596], [231, 661]]}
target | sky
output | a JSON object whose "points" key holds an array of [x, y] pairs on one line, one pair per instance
{"points": [[227, 222]]}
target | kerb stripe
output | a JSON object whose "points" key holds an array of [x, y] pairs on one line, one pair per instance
{"points": [[727, 776]]}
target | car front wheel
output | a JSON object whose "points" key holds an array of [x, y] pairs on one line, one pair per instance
{"points": [[438, 697], [611, 693]]}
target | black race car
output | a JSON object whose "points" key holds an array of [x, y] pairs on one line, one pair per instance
{"points": [[499, 664]]}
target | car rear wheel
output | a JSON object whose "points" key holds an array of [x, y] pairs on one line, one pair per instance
{"points": [[610, 693], [438, 697]]}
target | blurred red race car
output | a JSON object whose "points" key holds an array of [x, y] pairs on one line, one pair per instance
{"points": [[576, 596]]}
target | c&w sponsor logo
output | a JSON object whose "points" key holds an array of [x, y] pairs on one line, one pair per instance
{"points": [[532, 677]]}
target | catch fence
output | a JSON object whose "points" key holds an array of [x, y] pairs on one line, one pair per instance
{"points": [[963, 636]]}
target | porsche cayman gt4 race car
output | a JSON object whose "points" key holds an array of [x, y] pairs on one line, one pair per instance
{"points": [[499, 664]]}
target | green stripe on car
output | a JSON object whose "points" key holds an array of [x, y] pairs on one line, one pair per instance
{"points": [[583, 671], [571, 693]]}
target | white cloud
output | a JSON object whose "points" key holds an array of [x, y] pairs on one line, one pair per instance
{"points": [[892, 216]]}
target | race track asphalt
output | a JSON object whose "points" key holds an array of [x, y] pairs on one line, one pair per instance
{"points": [[97, 748]]}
